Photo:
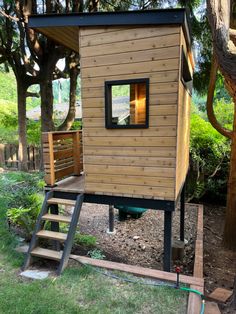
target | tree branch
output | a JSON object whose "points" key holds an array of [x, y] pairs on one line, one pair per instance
{"points": [[32, 94], [210, 98], [225, 50]]}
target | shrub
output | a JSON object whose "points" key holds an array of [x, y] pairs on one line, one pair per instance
{"points": [[96, 254], [209, 152], [22, 193], [85, 240]]}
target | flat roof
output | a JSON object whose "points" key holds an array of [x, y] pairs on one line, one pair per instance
{"points": [[44, 22]]}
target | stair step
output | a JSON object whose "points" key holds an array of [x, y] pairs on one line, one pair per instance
{"points": [[52, 235], [61, 201], [58, 218], [50, 254]]}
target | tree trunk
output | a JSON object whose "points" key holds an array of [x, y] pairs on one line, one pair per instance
{"points": [[46, 93], [47, 125], [229, 237], [67, 123], [225, 51], [21, 102]]}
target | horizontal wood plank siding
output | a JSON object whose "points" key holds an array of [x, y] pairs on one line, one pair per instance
{"points": [[155, 77], [139, 163], [182, 154], [183, 127]]}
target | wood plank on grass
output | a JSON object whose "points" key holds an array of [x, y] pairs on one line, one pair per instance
{"points": [[139, 271]]}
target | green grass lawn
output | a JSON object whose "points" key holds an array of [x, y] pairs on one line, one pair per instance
{"points": [[78, 290]]}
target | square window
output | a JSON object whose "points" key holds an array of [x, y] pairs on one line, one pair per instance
{"points": [[126, 104]]}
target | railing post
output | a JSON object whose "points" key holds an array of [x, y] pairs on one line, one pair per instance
{"points": [[81, 150], [51, 158], [48, 152], [76, 154]]}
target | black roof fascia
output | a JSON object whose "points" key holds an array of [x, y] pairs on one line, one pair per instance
{"points": [[148, 17], [136, 17]]}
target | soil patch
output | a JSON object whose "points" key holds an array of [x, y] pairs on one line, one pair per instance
{"points": [[219, 263], [137, 241]]}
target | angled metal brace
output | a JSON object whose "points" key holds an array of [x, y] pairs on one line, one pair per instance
{"points": [[71, 234]]}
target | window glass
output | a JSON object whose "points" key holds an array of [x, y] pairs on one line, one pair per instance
{"points": [[127, 104]]}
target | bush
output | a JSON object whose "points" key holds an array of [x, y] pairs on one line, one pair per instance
{"points": [[85, 240], [22, 194], [209, 152]]}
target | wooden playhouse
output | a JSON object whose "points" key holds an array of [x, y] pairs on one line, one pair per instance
{"points": [[136, 74]]}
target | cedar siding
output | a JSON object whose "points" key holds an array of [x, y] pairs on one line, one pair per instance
{"points": [[131, 162]]}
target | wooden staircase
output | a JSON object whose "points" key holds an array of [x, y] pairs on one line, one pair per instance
{"points": [[66, 238]]}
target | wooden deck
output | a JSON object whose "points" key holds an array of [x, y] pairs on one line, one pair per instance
{"points": [[73, 184]]}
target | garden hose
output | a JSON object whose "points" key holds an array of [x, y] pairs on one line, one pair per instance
{"points": [[155, 284], [198, 293]]}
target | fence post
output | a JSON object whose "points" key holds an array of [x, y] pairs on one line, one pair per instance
{"points": [[2, 157]]}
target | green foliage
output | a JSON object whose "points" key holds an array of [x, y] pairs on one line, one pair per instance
{"points": [[85, 240], [8, 122], [96, 254], [8, 89], [77, 125], [32, 102], [209, 152], [9, 125], [24, 218], [33, 132], [21, 192], [120, 90]]}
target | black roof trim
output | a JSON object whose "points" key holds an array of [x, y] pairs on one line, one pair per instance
{"points": [[148, 17]]}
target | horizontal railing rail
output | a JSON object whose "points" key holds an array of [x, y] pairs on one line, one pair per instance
{"points": [[62, 155]]}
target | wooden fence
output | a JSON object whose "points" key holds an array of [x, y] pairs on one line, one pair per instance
{"points": [[9, 156]]}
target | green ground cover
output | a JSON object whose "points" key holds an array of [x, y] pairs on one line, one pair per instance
{"points": [[79, 289]]}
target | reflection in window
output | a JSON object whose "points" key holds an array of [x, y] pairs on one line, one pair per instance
{"points": [[127, 104]]}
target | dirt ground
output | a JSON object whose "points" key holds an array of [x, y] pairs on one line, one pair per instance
{"points": [[219, 263], [137, 241], [140, 242]]}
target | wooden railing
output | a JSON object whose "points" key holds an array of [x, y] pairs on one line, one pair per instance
{"points": [[62, 155]]}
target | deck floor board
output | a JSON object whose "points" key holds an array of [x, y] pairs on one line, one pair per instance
{"points": [[73, 184]]}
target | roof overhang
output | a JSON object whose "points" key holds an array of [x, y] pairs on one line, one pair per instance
{"points": [[63, 28]]}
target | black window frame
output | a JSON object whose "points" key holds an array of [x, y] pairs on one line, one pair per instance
{"points": [[108, 104], [186, 76]]}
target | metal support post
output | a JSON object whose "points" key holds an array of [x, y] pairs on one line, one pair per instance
{"points": [[111, 229], [182, 213], [167, 240]]}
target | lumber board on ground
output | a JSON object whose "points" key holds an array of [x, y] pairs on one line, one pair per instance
{"points": [[139, 271], [194, 301]]}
